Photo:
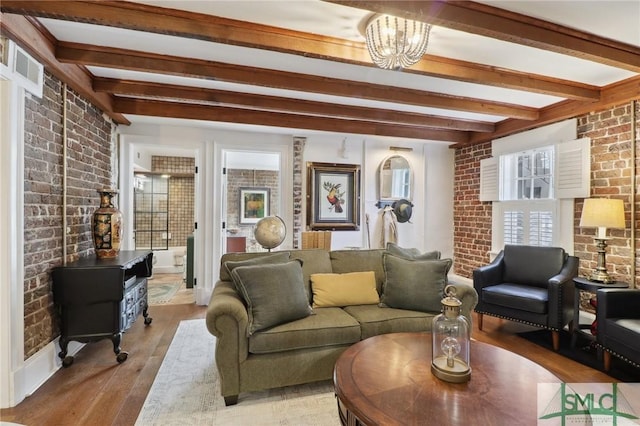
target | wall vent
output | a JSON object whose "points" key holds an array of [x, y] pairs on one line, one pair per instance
{"points": [[23, 69]]}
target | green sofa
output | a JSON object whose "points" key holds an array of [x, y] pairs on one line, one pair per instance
{"points": [[305, 350]]}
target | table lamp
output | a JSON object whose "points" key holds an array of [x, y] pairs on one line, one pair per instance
{"points": [[602, 213]]}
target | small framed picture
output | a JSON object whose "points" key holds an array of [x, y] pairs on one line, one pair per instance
{"points": [[254, 205], [333, 196]]}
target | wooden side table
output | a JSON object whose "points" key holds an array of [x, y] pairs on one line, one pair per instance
{"points": [[583, 284]]}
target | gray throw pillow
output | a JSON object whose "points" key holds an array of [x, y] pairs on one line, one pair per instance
{"points": [[274, 294], [412, 253], [417, 285], [268, 259]]}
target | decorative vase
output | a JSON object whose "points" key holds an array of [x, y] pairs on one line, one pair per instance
{"points": [[107, 226]]}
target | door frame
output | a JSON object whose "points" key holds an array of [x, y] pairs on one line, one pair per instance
{"points": [[285, 204]]}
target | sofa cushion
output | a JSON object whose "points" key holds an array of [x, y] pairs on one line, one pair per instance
{"points": [[352, 288], [532, 265], [375, 320], [327, 327], [414, 284], [313, 261], [343, 261], [230, 261], [516, 296], [274, 294], [412, 253]]}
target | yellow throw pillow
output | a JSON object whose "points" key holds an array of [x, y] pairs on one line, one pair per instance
{"points": [[352, 288]]}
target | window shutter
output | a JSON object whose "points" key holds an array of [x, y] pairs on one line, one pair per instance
{"points": [[489, 179], [573, 169], [541, 228], [513, 227]]}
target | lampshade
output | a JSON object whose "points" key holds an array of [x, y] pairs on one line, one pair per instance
{"points": [[602, 213], [396, 43]]}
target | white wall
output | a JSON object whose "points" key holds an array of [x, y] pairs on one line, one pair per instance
{"points": [[430, 228], [431, 225]]}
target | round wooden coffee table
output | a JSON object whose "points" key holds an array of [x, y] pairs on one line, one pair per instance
{"points": [[387, 380]]}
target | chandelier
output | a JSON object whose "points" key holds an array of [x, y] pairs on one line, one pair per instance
{"points": [[396, 43]]}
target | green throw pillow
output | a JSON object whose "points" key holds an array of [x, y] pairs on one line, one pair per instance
{"points": [[280, 257], [274, 294], [417, 285], [412, 253]]}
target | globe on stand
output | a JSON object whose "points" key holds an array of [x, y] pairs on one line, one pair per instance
{"points": [[270, 232]]}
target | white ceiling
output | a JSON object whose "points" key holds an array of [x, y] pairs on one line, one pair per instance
{"points": [[617, 20]]}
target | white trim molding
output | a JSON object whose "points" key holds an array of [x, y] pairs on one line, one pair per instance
{"points": [[12, 386]]}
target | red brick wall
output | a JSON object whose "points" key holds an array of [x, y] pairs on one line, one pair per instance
{"points": [[471, 217], [89, 167], [611, 168], [610, 133]]}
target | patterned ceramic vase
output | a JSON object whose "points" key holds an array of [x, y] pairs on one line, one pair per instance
{"points": [[107, 226]]}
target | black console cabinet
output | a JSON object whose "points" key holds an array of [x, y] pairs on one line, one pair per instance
{"points": [[101, 298]]}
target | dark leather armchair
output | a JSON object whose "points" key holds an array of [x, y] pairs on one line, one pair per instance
{"points": [[533, 285], [618, 315]]}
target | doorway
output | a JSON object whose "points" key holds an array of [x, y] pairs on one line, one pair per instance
{"points": [[252, 182]]}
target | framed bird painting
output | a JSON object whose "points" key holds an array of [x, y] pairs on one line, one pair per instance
{"points": [[333, 196]]}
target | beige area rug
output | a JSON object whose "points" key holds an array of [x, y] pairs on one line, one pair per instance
{"points": [[186, 392], [160, 293], [169, 289]]}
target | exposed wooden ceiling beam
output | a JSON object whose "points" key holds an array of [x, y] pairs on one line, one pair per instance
{"points": [[278, 119], [476, 18], [206, 27], [161, 64], [282, 104], [42, 47], [612, 95]]}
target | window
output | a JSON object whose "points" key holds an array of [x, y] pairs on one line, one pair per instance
{"points": [[527, 175], [151, 214], [533, 190], [526, 183]]}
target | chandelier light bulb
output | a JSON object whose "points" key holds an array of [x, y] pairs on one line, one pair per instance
{"points": [[451, 347]]}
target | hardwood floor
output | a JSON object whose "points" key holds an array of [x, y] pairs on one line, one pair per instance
{"points": [[96, 390]]}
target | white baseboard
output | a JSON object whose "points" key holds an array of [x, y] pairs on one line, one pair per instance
{"points": [[39, 368]]}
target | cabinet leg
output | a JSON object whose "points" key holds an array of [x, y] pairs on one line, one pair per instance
{"points": [[66, 360], [145, 314], [64, 343], [116, 339]]}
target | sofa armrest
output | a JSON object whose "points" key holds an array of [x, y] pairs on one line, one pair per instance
{"points": [[618, 303], [490, 274], [469, 298], [227, 319]]}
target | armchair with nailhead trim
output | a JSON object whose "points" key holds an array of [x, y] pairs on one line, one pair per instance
{"points": [[528, 284]]}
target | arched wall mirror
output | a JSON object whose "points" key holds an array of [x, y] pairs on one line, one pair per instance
{"points": [[396, 179]]}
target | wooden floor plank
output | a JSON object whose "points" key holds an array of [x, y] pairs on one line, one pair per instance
{"points": [[98, 390]]}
